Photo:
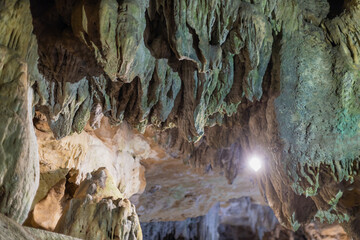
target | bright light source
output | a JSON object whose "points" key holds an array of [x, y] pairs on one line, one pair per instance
{"points": [[255, 163]]}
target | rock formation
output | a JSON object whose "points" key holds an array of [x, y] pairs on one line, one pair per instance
{"points": [[203, 227], [19, 162], [238, 219], [162, 102], [98, 211], [117, 148], [47, 212], [12, 230], [95, 209]]}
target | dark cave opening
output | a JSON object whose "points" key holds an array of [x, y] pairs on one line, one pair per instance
{"points": [[336, 8]]}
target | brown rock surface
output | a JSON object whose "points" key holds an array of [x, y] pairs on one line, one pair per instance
{"points": [[315, 231], [118, 148], [47, 212]]}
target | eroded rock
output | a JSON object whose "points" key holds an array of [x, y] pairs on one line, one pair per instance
{"points": [[19, 161], [321, 231], [239, 219], [98, 211], [117, 148], [313, 159], [47, 212], [188, 193], [9, 229], [203, 227], [217, 81]]}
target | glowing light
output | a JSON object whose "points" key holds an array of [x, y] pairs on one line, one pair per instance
{"points": [[255, 163]]}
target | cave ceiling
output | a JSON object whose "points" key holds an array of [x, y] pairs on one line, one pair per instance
{"points": [[124, 111]]}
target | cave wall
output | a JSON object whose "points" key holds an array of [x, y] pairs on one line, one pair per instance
{"points": [[19, 156], [239, 218], [13, 230], [189, 77], [19, 161], [214, 81], [117, 148], [316, 151], [202, 227]]}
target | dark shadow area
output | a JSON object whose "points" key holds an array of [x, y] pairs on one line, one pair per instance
{"points": [[336, 8]]}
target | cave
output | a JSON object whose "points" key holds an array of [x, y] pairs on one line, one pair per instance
{"points": [[184, 120], [336, 8]]}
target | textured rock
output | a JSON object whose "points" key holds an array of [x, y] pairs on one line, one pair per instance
{"points": [[12, 230], [92, 54], [244, 214], [314, 156], [217, 81], [203, 227], [47, 212], [239, 219], [47, 181], [9, 229], [19, 164], [45, 235], [118, 148], [94, 68], [175, 191], [121, 150], [107, 219], [321, 231], [98, 211], [95, 209]]}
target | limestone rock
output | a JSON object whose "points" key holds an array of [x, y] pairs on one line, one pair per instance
{"points": [[217, 81], [12, 230], [188, 193], [117, 148], [321, 231], [47, 212], [97, 211], [243, 214], [45, 235], [203, 227], [239, 219], [48, 180], [19, 162], [9, 229], [124, 153], [312, 160], [102, 60]]}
